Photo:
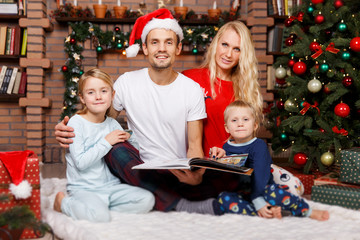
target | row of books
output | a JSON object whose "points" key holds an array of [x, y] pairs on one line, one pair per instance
{"points": [[282, 7], [13, 40], [12, 7], [276, 39], [12, 80]]}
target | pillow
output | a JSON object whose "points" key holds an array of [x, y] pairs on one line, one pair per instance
{"points": [[287, 179]]}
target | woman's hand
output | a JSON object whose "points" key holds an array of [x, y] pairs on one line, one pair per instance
{"points": [[188, 176], [117, 136], [64, 133], [216, 152]]}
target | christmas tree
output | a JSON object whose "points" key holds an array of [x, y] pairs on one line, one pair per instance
{"points": [[317, 110]]}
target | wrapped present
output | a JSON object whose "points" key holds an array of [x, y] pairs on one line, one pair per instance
{"points": [[348, 197], [333, 179], [306, 179], [20, 180], [350, 166]]}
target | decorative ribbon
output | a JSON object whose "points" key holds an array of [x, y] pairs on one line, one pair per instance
{"points": [[268, 108], [330, 48], [341, 131], [307, 105], [299, 17]]}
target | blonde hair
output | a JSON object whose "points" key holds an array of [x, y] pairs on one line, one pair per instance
{"points": [[94, 73], [242, 104], [245, 74]]}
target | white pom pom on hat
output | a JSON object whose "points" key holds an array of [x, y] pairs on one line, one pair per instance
{"points": [[161, 18]]}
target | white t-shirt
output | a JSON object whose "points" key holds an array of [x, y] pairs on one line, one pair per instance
{"points": [[158, 114]]}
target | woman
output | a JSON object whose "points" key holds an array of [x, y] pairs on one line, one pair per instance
{"points": [[228, 73]]}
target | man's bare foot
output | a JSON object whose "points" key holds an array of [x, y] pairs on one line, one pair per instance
{"points": [[320, 215], [58, 199], [276, 211]]}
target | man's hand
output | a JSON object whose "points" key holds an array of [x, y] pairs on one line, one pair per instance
{"points": [[63, 133], [188, 176]]}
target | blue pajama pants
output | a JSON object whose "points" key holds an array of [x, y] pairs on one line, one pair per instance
{"points": [[95, 204], [274, 194]]}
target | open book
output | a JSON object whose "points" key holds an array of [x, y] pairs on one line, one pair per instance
{"points": [[234, 164]]}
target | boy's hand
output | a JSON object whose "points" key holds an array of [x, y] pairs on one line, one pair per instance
{"points": [[216, 152], [117, 136], [269, 211], [63, 133]]}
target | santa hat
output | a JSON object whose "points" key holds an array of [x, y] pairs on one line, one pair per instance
{"points": [[161, 18], [15, 163]]}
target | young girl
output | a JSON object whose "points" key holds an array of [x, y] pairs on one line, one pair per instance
{"points": [[242, 121], [92, 190]]}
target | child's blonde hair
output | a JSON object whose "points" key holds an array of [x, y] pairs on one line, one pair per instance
{"points": [[95, 73], [242, 104]]}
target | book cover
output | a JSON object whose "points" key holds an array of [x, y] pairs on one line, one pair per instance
{"points": [[2, 74], [12, 80], [8, 40], [23, 82], [6, 80], [17, 37], [233, 164], [12, 41], [17, 83], [24, 43], [3, 31]]}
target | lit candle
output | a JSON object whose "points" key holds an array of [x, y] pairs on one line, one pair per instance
{"points": [[235, 4], [214, 6], [118, 2], [181, 3], [75, 3], [99, 2]]}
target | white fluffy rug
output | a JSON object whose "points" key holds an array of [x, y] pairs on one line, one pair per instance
{"points": [[343, 224]]}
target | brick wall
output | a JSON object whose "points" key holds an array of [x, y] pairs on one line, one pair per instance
{"points": [[14, 120]]}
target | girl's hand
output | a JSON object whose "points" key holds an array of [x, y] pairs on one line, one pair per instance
{"points": [[117, 136], [216, 152]]}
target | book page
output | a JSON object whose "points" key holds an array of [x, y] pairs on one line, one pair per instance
{"points": [[182, 163]]}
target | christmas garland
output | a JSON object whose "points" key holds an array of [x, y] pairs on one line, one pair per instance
{"points": [[197, 37]]}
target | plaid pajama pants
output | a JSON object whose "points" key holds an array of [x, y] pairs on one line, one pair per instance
{"points": [[163, 184]]}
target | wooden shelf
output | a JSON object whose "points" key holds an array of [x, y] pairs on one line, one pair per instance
{"points": [[10, 97], [10, 17], [65, 20]]}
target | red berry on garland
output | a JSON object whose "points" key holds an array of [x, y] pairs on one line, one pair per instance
{"points": [[299, 68], [347, 81], [321, 130], [326, 89], [319, 18], [117, 29], [300, 158], [64, 68], [289, 41], [72, 40], [300, 14], [288, 22], [342, 110], [314, 46], [317, 1], [291, 62], [280, 105], [355, 44], [338, 4]]}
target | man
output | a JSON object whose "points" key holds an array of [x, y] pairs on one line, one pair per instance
{"points": [[165, 111]]}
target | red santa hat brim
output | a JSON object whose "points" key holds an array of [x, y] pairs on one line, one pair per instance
{"points": [[159, 19]]}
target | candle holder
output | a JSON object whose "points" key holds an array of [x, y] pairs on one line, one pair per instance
{"points": [[100, 10], [120, 11], [181, 11], [214, 13]]}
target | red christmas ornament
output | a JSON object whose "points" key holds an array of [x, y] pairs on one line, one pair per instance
{"points": [[317, 1], [319, 19], [280, 105], [342, 110], [326, 89], [280, 81], [338, 4], [300, 15], [288, 22], [64, 68], [314, 46], [355, 44], [72, 40], [291, 63], [321, 130], [300, 158], [299, 68], [347, 81], [289, 41]]}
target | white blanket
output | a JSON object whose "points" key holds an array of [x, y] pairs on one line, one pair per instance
{"points": [[343, 224]]}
